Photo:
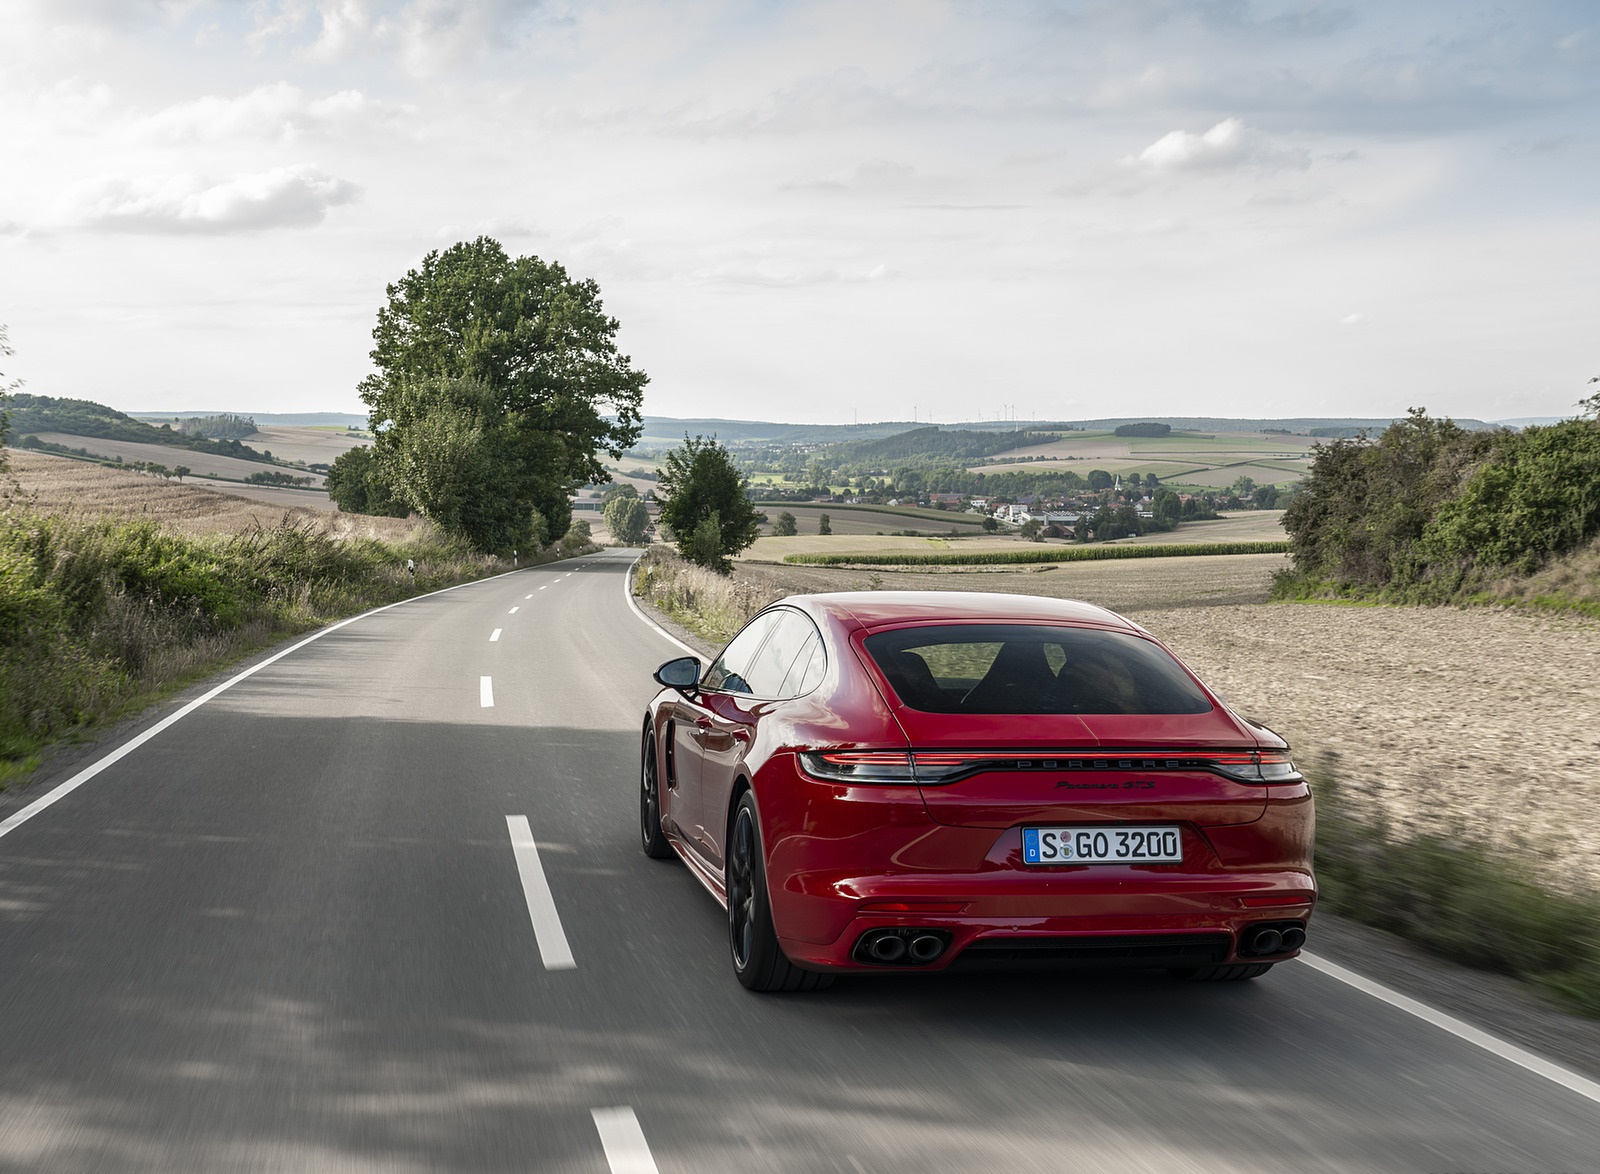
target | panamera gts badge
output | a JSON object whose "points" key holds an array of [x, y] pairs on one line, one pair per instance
{"points": [[1130, 785]]}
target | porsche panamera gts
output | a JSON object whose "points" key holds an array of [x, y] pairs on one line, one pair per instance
{"points": [[883, 782]]}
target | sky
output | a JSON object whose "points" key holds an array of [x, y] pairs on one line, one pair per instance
{"points": [[823, 210]]}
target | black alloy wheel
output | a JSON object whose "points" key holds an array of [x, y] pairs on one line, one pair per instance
{"points": [[654, 839], [758, 961]]}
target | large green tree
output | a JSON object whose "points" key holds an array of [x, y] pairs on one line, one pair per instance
{"points": [[710, 514], [627, 517], [498, 382], [358, 486]]}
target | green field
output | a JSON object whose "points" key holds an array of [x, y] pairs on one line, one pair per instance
{"points": [[1182, 459]]}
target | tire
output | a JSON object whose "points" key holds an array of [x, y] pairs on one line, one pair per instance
{"points": [[653, 839], [1236, 973], [758, 961]]}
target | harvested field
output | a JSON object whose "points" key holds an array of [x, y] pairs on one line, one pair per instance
{"points": [[57, 485], [314, 446], [1440, 717], [771, 549], [1244, 526], [161, 454], [855, 519]]}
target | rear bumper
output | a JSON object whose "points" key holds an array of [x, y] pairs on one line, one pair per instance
{"points": [[969, 885], [1192, 930]]}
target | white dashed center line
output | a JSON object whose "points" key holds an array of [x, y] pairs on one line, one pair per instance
{"points": [[529, 595], [516, 609], [495, 635], [547, 930], [627, 1152], [542, 586], [486, 692]]}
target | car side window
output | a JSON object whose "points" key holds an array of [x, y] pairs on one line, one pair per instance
{"points": [[730, 672], [808, 670], [789, 640]]}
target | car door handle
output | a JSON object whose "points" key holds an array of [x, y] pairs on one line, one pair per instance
{"points": [[741, 733]]}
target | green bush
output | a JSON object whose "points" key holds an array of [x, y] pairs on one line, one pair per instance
{"points": [[1050, 554], [1432, 513]]}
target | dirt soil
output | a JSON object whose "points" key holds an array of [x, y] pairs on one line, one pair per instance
{"points": [[1483, 719]]}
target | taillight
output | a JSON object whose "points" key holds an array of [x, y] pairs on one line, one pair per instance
{"points": [[932, 768], [859, 766]]}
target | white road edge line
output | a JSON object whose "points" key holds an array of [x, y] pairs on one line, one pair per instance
{"points": [[627, 1152], [17, 819], [1462, 1030], [495, 635], [486, 692], [547, 930], [627, 593]]}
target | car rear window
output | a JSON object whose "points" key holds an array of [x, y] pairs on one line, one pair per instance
{"points": [[1032, 668]]}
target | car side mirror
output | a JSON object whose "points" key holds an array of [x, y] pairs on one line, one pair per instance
{"points": [[682, 674]]}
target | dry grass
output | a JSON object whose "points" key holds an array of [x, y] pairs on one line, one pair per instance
{"points": [[56, 485], [1572, 580]]}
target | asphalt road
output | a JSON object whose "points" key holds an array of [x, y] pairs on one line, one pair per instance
{"points": [[295, 931]]}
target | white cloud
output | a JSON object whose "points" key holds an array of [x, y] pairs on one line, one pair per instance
{"points": [[285, 197], [1226, 146], [427, 37], [278, 110]]}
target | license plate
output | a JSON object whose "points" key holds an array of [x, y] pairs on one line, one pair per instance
{"points": [[1109, 845]]}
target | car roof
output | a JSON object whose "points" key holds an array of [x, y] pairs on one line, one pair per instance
{"points": [[875, 609]]}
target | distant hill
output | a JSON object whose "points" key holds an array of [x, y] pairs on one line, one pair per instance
{"points": [[296, 419], [936, 443], [666, 431], [81, 417]]}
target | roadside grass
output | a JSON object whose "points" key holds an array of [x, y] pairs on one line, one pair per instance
{"points": [[712, 606], [101, 617], [1452, 894], [1048, 554]]}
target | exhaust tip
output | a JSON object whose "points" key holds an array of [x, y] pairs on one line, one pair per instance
{"points": [[887, 948], [1266, 941], [901, 946], [1293, 938]]}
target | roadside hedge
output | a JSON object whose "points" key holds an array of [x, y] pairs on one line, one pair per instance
{"points": [[1052, 554]]}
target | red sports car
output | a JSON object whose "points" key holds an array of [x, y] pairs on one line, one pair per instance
{"points": [[891, 781]]}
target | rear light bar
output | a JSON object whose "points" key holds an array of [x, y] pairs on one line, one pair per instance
{"points": [[938, 767]]}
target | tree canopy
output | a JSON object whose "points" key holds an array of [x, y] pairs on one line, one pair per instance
{"points": [[357, 486], [498, 381], [710, 514], [627, 517]]}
